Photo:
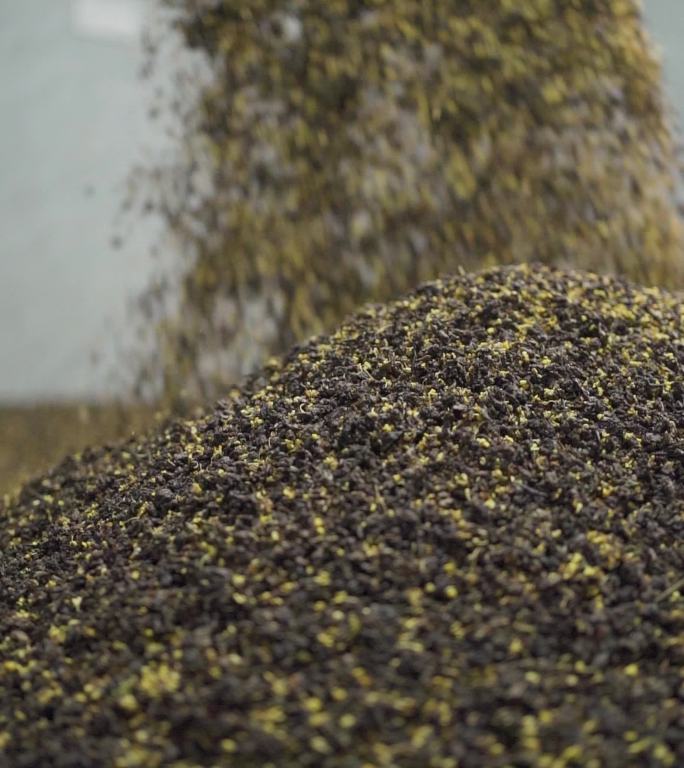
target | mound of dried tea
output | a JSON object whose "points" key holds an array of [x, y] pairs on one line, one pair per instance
{"points": [[450, 535], [343, 152]]}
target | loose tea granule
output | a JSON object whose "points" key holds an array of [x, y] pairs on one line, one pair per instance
{"points": [[448, 535], [344, 152]]}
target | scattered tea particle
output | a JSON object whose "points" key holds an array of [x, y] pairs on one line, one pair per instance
{"points": [[516, 646], [664, 754], [320, 745], [128, 702], [348, 721]]}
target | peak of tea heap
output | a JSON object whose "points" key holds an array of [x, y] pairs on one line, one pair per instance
{"points": [[448, 535]]}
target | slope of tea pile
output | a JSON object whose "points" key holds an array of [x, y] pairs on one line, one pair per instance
{"points": [[450, 535], [347, 151]]}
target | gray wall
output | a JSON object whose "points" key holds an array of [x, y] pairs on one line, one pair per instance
{"points": [[665, 19], [73, 123]]}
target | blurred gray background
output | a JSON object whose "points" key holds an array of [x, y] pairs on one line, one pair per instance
{"points": [[73, 123]]}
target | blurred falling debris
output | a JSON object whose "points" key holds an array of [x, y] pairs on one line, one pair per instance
{"points": [[343, 153]]}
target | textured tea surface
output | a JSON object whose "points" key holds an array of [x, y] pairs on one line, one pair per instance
{"points": [[448, 535], [347, 151]]}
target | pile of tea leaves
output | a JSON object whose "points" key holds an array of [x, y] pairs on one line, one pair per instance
{"points": [[450, 535]]}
